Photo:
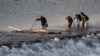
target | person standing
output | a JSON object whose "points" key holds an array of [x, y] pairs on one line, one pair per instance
{"points": [[77, 19], [70, 21], [85, 20], [44, 23]]}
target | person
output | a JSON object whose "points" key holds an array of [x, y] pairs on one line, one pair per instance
{"points": [[85, 20], [77, 19], [70, 21], [43, 22]]}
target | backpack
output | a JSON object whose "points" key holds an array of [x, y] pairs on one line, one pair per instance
{"points": [[78, 17], [87, 18], [71, 20]]}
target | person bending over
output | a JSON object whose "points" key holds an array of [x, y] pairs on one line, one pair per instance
{"points": [[44, 23], [70, 21], [85, 20]]}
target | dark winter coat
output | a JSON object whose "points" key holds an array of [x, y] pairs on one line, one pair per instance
{"points": [[43, 21]]}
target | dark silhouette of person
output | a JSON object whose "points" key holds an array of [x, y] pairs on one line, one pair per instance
{"points": [[43, 22], [78, 19], [70, 21], [85, 19]]}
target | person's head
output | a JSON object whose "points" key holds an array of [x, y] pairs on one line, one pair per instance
{"points": [[81, 13], [68, 16]]}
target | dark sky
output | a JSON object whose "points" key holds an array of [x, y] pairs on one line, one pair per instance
{"points": [[22, 13]]}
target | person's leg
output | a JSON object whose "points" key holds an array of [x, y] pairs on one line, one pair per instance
{"points": [[83, 24], [75, 22], [87, 24], [43, 27], [70, 25], [78, 24]]}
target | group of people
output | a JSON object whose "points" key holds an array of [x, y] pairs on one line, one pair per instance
{"points": [[81, 17]]}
